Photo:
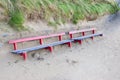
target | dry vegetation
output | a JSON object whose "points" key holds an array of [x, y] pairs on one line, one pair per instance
{"points": [[54, 11]]}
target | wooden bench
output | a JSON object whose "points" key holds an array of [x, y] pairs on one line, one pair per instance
{"points": [[23, 52]]}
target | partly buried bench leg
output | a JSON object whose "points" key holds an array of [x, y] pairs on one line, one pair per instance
{"points": [[69, 44], [24, 55], [50, 48], [80, 41], [92, 37]]}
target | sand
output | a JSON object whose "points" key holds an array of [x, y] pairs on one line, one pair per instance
{"points": [[93, 60]]}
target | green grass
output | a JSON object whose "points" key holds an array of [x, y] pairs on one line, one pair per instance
{"points": [[60, 10], [17, 20]]}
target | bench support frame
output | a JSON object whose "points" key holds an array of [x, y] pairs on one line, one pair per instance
{"points": [[50, 49], [24, 55], [15, 46]]}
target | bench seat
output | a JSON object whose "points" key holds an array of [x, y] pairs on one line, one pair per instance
{"points": [[21, 51], [88, 36]]}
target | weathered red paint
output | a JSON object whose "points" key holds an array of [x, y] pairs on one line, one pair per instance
{"points": [[50, 49], [15, 46], [41, 41], [71, 36], [24, 55], [60, 38], [81, 31], [69, 44], [80, 41]]}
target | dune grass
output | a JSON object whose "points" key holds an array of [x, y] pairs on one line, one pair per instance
{"points": [[60, 11]]}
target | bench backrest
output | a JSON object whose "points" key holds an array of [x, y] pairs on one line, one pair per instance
{"points": [[14, 42], [81, 31], [35, 38]]}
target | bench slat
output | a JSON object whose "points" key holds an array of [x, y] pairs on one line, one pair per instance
{"points": [[35, 38], [59, 42], [88, 36], [29, 49]]}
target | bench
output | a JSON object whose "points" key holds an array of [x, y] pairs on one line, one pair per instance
{"points": [[23, 52]]}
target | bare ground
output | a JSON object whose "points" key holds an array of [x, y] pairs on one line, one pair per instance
{"points": [[93, 60]]}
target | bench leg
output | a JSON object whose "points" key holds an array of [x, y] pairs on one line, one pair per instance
{"points": [[24, 55], [80, 41], [83, 33], [69, 44], [93, 31], [60, 38], [50, 49], [92, 38], [15, 46], [41, 41], [71, 36]]}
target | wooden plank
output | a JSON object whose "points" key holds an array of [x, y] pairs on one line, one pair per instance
{"points": [[59, 42], [88, 36], [79, 31], [35, 38]]}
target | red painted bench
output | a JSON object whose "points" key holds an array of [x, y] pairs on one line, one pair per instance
{"points": [[23, 52], [71, 33], [40, 38]]}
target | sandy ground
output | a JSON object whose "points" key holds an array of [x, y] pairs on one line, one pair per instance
{"points": [[93, 60]]}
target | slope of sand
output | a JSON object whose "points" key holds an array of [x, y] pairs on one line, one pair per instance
{"points": [[93, 60]]}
